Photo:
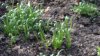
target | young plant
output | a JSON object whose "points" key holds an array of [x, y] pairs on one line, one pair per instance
{"points": [[58, 36], [13, 39], [61, 32], [57, 39], [20, 19], [85, 9], [67, 31], [98, 51], [42, 34]]}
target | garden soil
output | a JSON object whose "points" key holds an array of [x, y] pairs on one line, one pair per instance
{"points": [[85, 34]]}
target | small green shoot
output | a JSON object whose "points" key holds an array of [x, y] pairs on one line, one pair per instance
{"points": [[42, 35], [67, 32], [21, 19], [85, 9], [98, 51], [62, 32]]}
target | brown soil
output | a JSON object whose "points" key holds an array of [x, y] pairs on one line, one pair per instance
{"points": [[85, 34]]}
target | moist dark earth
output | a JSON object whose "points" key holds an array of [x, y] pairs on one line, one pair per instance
{"points": [[85, 34]]}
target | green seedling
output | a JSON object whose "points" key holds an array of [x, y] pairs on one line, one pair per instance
{"points": [[62, 31], [67, 32], [42, 35], [43, 38], [58, 36], [21, 19], [13, 39], [98, 51], [85, 9]]}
